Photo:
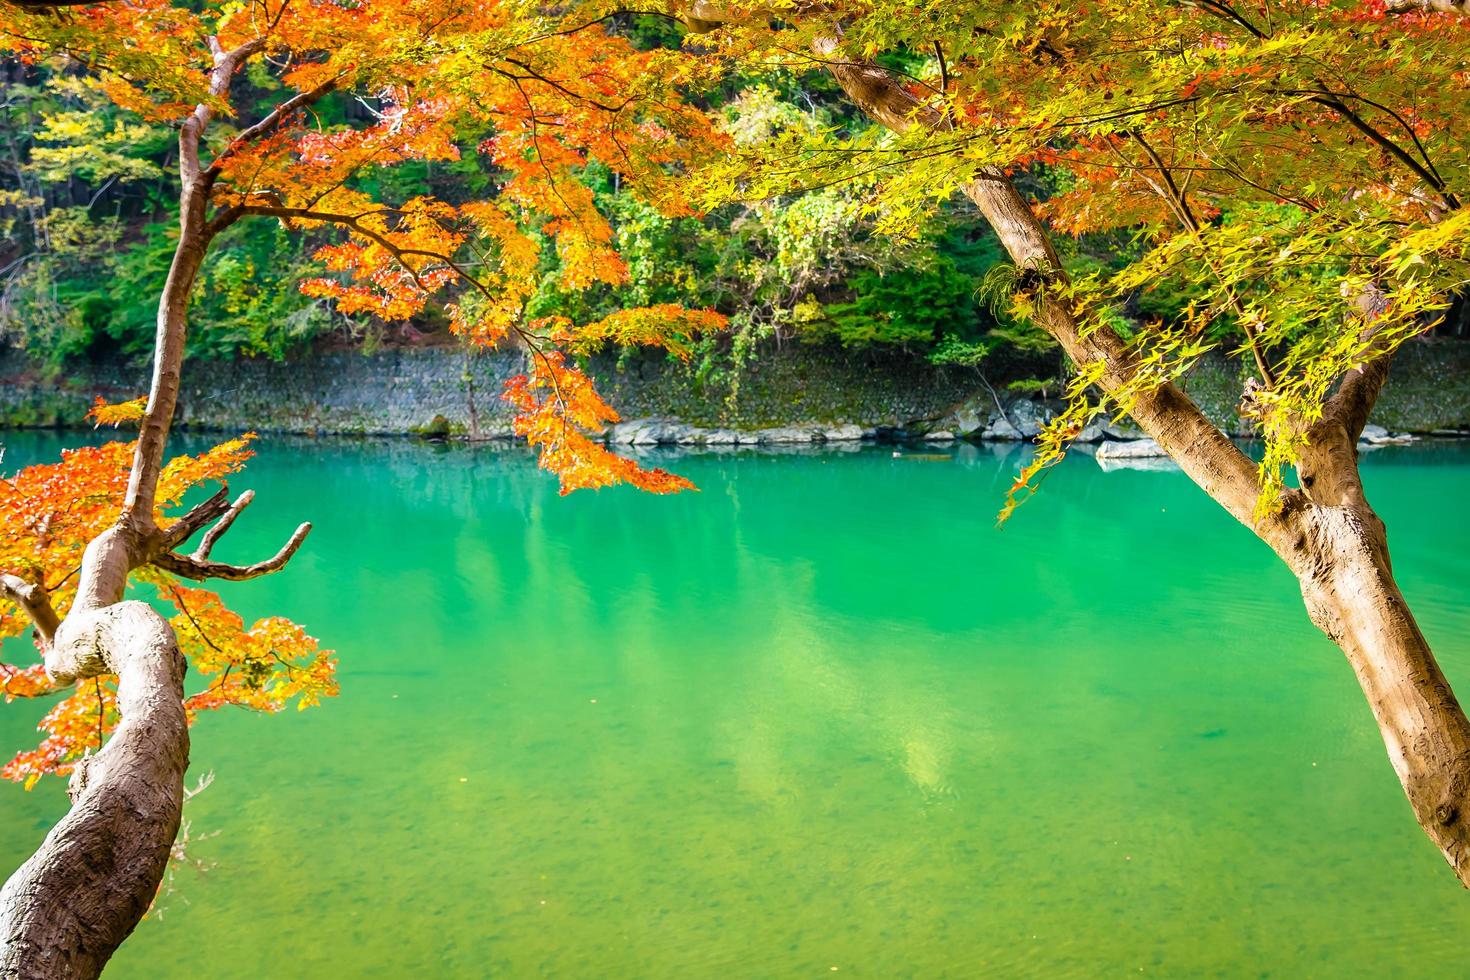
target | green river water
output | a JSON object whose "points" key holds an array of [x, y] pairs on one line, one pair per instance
{"points": [[822, 716]]}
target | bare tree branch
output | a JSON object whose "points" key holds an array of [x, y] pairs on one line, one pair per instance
{"points": [[200, 569], [34, 601], [206, 544], [183, 529]]}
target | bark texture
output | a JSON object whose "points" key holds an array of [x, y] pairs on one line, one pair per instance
{"points": [[68, 908], [1338, 548], [65, 911]]}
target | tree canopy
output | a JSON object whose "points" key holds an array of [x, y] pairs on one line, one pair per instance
{"points": [[1268, 163]]}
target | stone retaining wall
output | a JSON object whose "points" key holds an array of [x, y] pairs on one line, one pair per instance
{"points": [[793, 394]]}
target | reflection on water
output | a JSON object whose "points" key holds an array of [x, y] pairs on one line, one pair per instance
{"points": [[821, 714]]}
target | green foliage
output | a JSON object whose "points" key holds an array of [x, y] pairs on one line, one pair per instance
{"points": [[93, 293], [88, 141], [248, 301], [48, 305], [951, 350], [1255, 179], [908, 307], [91, 230], [808, 266], [814, 266]]}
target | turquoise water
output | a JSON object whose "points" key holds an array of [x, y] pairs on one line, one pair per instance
{"points": [[821, 716]]}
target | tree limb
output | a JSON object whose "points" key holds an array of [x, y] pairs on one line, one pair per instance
{"points": [[1360, 386], [173, 304], [183, 529], [1331, 101], [225, 65], [272, 120], [206, 544], [200, 569], [1356, 395], [34, 601], [1164, 411]]}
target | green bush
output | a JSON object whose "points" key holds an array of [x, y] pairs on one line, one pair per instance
{"points": [[907, 307]]}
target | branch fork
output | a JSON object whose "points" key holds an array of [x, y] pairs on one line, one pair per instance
{"points": [[198, 565]]}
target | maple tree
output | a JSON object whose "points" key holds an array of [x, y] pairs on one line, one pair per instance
{"points": [[1297, 168], [434, 76]]}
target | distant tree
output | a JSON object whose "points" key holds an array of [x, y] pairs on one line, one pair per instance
{"points": [[1297, 169]]}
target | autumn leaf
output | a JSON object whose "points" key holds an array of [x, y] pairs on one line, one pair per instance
{"points": [[102, 413]]}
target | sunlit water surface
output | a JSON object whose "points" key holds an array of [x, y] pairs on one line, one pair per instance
{"points": [[822, 716]]}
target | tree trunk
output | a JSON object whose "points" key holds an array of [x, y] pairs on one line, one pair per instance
{"points": [[1338, 549], [1327, 533], [67, 909], [168, 351], [1351, 595]]}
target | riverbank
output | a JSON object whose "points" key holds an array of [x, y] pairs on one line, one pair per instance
{"points": [[796, 394]]}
